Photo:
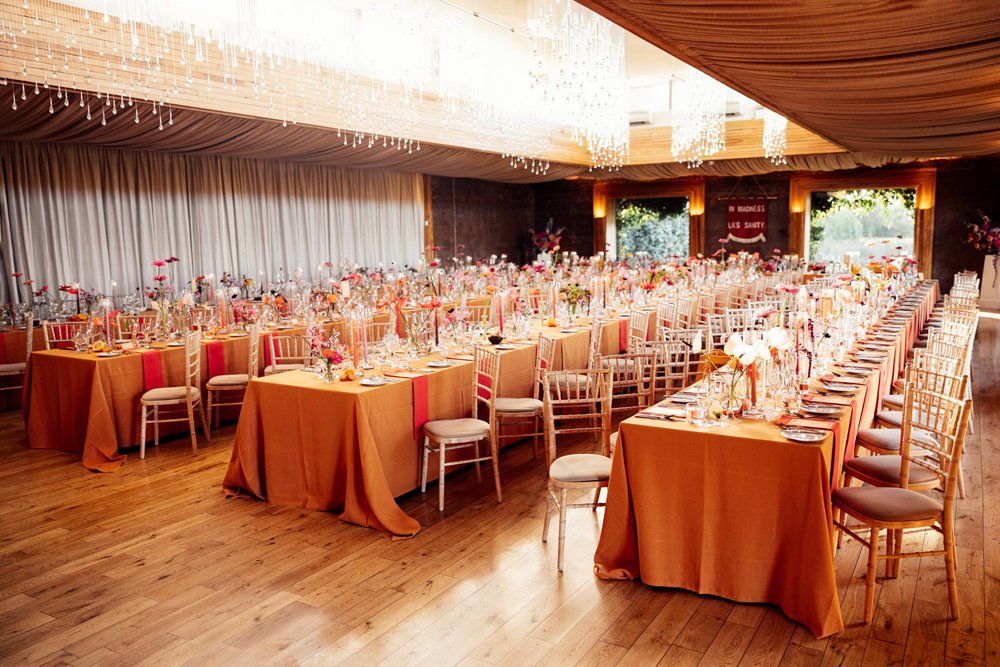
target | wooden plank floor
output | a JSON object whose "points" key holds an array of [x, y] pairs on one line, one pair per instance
{"points": [[152, 565]]}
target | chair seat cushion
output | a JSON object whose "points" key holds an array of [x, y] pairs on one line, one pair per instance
{"points": [[891, 417], [567, 379], [234, 380], [281, 368], [12, 368], [618, 363], [887, 504], [517, 405], [169, 394], [581, 468], [884, 470], [887, 439], [458, 428], [894, 400]]}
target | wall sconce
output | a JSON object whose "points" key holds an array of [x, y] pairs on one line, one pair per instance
{"points": [[696, 210], [600, 206]]}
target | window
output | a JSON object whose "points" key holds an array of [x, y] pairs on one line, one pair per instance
{"points": [[852, 225], [657, 226]]}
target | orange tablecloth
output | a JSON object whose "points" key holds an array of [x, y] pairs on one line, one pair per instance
{"points": [[740, 513], [303, 442], [87, 404], [347, 447]]}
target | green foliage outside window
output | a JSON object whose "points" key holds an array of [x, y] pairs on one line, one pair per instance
{"points": [[871, 222], [659, 227]]}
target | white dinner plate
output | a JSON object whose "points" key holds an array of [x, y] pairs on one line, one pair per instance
{"points": [[822, 409], [840, 388], [800, 435], [238, 335], [682, 398], [176, 343], [857, 370], [112, 353], [503, 346], [869, 356], [439, 364], [373, 382]]}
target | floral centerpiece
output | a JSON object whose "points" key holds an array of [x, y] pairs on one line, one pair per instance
{"points": [[547, 240], [161, 292], [984, 236], [326, 346]]}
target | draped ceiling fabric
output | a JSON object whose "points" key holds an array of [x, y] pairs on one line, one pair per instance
{"points": [[899, 79], [91, 215], [204, 133]]}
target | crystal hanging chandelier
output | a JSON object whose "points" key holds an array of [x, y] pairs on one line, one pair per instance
{"points": [[775, 140], [374, 69], [698, 127]]}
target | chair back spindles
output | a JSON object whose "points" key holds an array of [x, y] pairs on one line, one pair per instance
{"points": [[253, 351], [192, 352], [579, 402]]}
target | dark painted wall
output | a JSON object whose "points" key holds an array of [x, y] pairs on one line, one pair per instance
{"points": [[963, 187], [486, 217], [494, 217], [570, 205]]}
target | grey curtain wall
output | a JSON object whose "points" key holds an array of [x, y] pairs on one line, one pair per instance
{"points": [[92, 215]]}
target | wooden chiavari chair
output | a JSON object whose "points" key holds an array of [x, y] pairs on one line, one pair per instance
{"points": [[187, 396], [447, 435], [62, 335], [220, 385], [899, 508], [19, 368], [581, 406]]}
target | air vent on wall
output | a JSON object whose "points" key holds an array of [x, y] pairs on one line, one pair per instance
{"points": [[640, 117]]}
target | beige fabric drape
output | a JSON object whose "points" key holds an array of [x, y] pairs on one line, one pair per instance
{"points": [[897, 78], [204, 133], [92, 215]]}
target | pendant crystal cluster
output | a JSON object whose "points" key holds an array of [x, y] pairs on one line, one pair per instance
{"points": [[698, 129], [382, 71], [775, 141]]}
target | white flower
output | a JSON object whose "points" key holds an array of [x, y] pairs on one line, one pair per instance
{"points": [[696, 343], [731, 344], [735, 347], [777, 339], [187, 299]]}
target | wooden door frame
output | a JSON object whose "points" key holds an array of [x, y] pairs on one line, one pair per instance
{"points": [[923, 180], [692, 188]]}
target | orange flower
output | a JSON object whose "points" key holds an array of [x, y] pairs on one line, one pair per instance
{"points": [[331, 297], [327, 353]]}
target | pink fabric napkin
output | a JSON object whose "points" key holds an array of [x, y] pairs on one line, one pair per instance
{"points": [[152, 369], [418, 381], [216, 358]]}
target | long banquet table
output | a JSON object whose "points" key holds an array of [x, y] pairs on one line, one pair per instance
{"points": [[353, 449], [741, 512]]}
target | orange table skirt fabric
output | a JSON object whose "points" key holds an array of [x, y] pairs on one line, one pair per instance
{"points": [[744, 515]]}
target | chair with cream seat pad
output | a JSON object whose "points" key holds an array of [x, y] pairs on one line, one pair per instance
{"points": [[187, 396], [233, 382], [580, 407]]}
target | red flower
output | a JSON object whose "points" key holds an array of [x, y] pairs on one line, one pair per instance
{"points": [[159, 262], [159, 278], [17, 274]]}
